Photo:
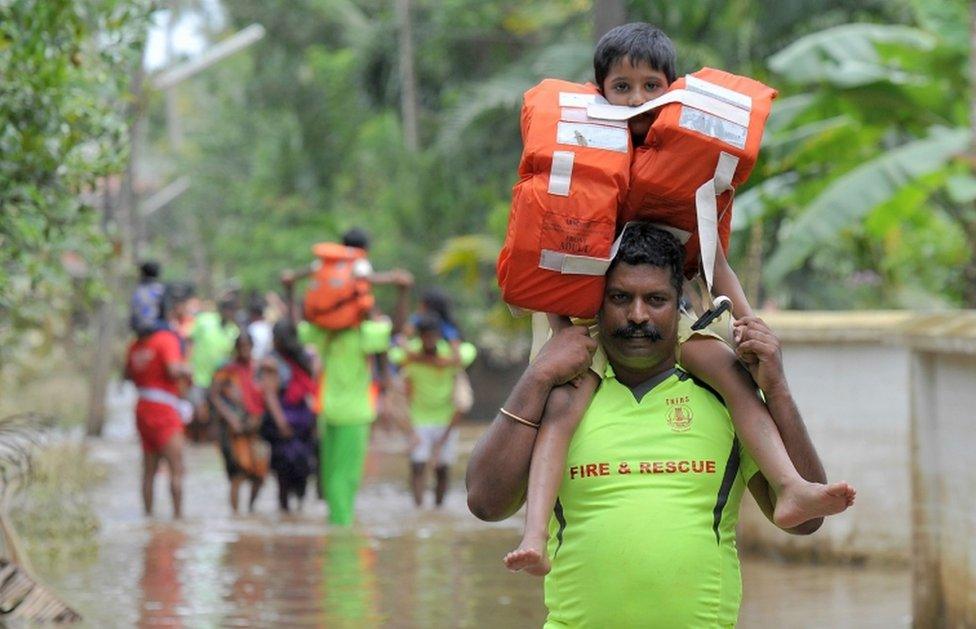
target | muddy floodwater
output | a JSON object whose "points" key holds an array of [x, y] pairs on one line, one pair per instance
{"points": [[399, 567]]}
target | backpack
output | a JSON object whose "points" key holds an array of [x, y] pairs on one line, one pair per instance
{"points": [[573, 175], [146, 308], [694, 157], [336, 299]]}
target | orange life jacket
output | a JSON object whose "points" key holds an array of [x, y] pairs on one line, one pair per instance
{"points": [[685, 175], [336, 298], [573, 175]]}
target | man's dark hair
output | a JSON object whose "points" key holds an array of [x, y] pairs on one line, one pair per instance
{"points": [[256, 305], [149, 270], [428, 323], [438, 302], [639, 42], [356, 237], [643, 243]]}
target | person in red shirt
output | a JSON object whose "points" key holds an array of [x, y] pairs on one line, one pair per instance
{"points": [[155, 364]]}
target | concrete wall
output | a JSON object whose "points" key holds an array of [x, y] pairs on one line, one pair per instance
{"points": [[890, 401], [943, 444], [850, 380]]}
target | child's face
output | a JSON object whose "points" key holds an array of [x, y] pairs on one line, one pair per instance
{"points": [[634, 85], [429, 341]]}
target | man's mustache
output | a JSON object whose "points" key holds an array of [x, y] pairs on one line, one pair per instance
{"points": [[639, 330]]}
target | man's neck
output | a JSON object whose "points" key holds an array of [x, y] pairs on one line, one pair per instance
{"points": [[631, 377]]}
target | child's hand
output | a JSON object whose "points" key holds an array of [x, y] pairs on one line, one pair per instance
{"points": [[565, 356], [759, 350]]}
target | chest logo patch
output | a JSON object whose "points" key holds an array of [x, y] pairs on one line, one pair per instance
{"points": [[679, 413]]}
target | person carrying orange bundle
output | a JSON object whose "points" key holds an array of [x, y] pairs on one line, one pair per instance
{"points": [[349, 357], [340, 294], [635, 64]]}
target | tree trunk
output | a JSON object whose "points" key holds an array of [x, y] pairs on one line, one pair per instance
{"points": [[107, 320], [173, 129], [606, 15], [408, 78]]}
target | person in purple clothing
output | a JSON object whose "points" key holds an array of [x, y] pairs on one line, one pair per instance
{"points": [[289, 419]]}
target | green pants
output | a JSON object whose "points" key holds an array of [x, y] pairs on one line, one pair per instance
{"points": [[341, 461]]}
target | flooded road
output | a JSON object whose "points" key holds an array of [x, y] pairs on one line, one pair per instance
{"points": [[399, 567]]}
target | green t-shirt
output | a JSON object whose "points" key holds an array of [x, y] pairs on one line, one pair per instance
{"points": [[643, 534], [432, 387], [212, 346], [347, 371]]}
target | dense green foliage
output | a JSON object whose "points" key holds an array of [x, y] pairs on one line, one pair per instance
{"points": [[64, 66], [859, 199], [303, 137], [863, 195]]}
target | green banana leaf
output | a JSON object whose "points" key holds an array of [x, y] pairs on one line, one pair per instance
{"points": [[851, 197], [848, 55]]}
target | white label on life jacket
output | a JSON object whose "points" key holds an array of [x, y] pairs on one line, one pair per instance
{"points": [[574, 99], [713, 126], [561, 173], [595, 136], [740, 100]]}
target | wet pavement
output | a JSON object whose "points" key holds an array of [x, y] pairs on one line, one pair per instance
{"points": [[398, 567]]}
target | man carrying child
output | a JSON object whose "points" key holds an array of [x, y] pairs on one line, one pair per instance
{"points": [[643, 534]]}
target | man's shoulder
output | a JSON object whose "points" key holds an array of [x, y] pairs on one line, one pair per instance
{"points": [[688, 379]]}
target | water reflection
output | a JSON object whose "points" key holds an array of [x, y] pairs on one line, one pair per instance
{"points": [[400, 567], [348, 589], [161, 583]]}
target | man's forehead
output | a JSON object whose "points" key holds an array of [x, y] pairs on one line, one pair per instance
{"points": [[624, 273]]}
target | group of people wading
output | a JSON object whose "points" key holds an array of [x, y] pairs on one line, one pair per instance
{"points": [[292, 387]]}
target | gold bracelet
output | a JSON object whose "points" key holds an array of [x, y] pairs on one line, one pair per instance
{"points": [[520, 420]]}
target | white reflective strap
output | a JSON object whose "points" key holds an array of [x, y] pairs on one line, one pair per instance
{"points": [[561, 173], [696, 84], [576, 99], [703, 102], [571, 264], [573, 114], [578, 114], [707, 211]]}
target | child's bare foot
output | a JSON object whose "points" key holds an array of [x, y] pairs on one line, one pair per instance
{"points": [[805, 501], [529, 556]]}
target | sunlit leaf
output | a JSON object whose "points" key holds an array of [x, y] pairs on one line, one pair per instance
{"points": [[847, 55], [849, 198]]}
